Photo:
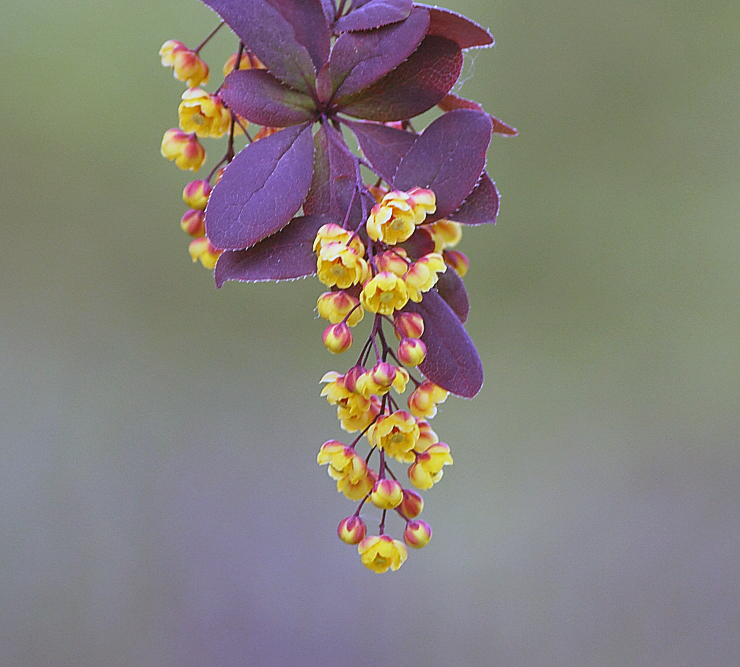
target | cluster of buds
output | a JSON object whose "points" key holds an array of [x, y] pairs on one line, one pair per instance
{"points": [[367, 270]]}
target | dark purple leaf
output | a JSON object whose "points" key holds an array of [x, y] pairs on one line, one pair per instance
{"points": [[261, 189], [448, 157], [452, 361], [329, 10], [451, 288], [318, 199], [360, 59], [285, 255], [421, 243], [382, 146], [415, 86], [458, 28], [336, 179], [269, 35], [258, 96], [481, 205], [451, 102], [373, 14], [311, 27]]}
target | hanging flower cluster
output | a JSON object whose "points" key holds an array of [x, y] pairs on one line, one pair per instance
{"points": [[293, 202]]}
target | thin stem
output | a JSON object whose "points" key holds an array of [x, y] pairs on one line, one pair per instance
{"points": [[207, 39]]}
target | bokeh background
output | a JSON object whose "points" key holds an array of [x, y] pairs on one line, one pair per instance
{"points": [[161, 504]]}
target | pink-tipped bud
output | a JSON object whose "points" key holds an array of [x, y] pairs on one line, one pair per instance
{"points": [[193, 223], [417, 533], [386, 494], [202, 249], [412, 351], [412, 504], [196, 194], [337, 337], [408, 325], [351, 377], [352, 530], [458, 261], [394, 261]]}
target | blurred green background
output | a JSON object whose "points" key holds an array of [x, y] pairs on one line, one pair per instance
{"points": [[161, 504]]}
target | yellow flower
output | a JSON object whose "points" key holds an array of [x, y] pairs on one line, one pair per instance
{"points": [[334, 306], [422, 275], [379, 379], [203, 114], [427, 469], [424, 399], [332, 232], [186, 64], [339, 265], [348, 468], [356, 413], [384, 294], [335, 390], [394, 219], [445, 234], [380, 553], [396, 434], [184, 149]]}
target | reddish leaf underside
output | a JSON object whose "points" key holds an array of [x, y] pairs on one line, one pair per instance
{"points": [[285, 255], [481, 205], [309, 23], [259, 97], [359, 59], [451, 288], [261, 189], [458, 28], [448, 157], [451, 102], [415, 86], [373, 14], [452, 361], [382, 146], [268, 34]]}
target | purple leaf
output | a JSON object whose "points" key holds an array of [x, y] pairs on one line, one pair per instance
{"points": [[451, 288], [452, 361], [481, 205], [373, 14], [451, 102], [318, 199], [458, 28], [421, 243], [269, 35], [329, 10], [336, 179], [360, 59], [382, 146], [259, 97], [311, 27], [285, 255], [261, 189], [414, 86], [448, 157]]}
